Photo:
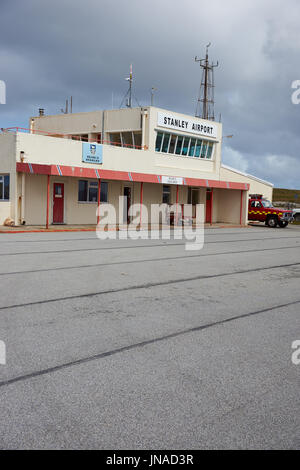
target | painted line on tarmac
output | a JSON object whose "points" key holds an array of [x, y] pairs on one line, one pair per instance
{"points": [[148, 286], [142, 344], [117, 263]]}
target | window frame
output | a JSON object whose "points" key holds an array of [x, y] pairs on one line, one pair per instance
{"points": [[3, 176], [136, 139], [166, 189], [206, 145], [89, 181]]}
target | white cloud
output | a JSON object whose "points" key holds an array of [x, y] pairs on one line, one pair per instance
{"points": [[235, 159], [281, 170]]}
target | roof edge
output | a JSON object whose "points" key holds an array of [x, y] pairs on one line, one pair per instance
{"points": [[247, 175]]}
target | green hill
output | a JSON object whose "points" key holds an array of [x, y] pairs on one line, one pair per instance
{"points": [[286, 195]]}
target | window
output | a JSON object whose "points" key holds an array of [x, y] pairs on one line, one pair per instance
{"points": [[266, 203], [159, 137], [115, 139], [4, 187], [172, 144], [179, 145], [137, 140], [192, 147], [93, 191], [203, 150], [198, 148], [166, 194], [209, 150], [82, 190], [165, 144], [80, 137], [129, 139], [88, 191], [95, 137], [183, 145]]}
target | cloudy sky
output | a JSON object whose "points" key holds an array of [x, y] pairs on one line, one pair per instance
{"points": [[50, 50]]}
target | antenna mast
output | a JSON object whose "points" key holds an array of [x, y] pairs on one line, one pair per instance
{"points": [[128, 96], [129, 104], [205, 103]]}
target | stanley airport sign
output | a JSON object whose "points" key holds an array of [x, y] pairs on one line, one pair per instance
{"points": [[188, 125]]}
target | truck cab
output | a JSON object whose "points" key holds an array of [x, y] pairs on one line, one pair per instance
{"points": [[262, 210]]}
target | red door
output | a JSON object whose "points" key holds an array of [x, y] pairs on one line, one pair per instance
{"points": [[58, 203], [208, 214]]}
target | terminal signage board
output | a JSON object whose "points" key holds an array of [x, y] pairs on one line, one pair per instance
{"points": [[184, 124], [91, 152], [171, 180]]}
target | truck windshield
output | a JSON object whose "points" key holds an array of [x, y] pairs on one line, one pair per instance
{"points": [[266, 203]]}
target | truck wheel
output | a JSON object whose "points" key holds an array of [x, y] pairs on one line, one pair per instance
{"points": [[272, 222], [283, 223]]}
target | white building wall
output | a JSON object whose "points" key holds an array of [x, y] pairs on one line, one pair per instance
{"points": [[56, 151], [228, 206], [8, 166], [35, 199], [75, 123]]}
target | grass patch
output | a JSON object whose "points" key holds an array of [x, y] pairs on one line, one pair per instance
{"points": [[286, 195]]}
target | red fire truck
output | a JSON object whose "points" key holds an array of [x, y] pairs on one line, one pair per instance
{"points": [[262, 210]]}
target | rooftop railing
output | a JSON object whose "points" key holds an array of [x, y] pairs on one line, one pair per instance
{"points": [[72, 137]]}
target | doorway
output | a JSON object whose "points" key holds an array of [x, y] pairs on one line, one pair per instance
{"points": [[195, 201], [127, 204], [58, 203]]}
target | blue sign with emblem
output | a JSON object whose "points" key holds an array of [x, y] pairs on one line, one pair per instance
{"points": [[91, 152]]}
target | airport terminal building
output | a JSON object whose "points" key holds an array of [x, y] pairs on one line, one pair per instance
{"points": [[63, 166]]}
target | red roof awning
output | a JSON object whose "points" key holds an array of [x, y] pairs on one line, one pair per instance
{"points": [[79, 172]]}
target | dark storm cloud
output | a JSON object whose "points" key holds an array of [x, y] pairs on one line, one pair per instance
{"points": [[50, 50]]}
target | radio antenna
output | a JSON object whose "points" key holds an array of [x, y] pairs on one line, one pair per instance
{"points": [[129, 94], [205, 102]]}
